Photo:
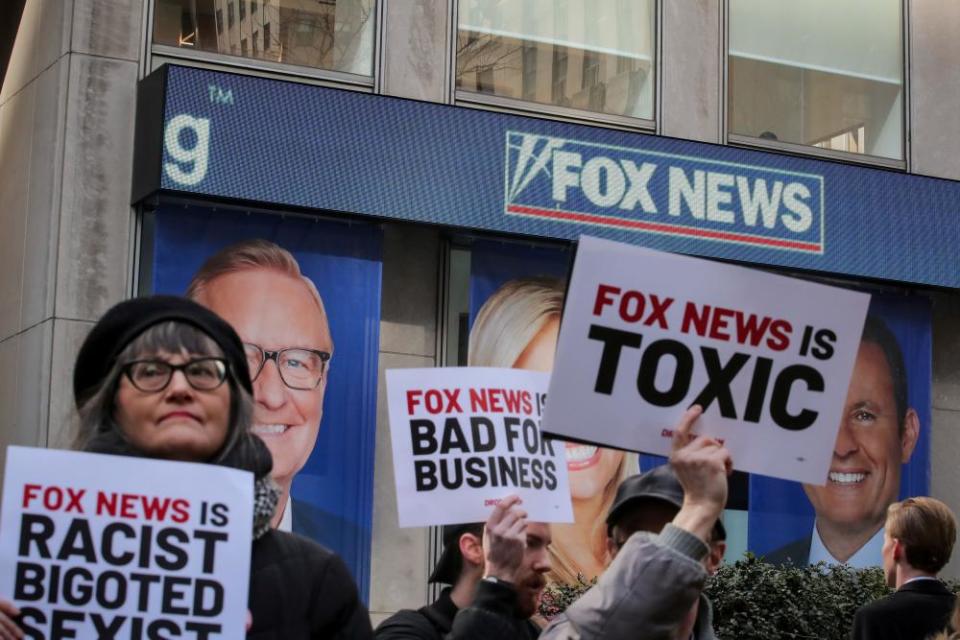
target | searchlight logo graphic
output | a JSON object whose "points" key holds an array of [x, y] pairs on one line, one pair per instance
{"points": [[666, 194]]}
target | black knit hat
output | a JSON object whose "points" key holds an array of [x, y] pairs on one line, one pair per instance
{"points": [[124, 322]]}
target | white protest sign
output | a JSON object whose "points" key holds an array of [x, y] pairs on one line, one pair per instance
{"points": [[646, 334], [465, 438], [98, 546]]}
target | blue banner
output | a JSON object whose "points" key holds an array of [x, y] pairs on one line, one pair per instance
{"points": [[222, 135], [321, 437]]}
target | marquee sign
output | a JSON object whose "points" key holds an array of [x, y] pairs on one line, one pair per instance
{"points": [[272, 143]]}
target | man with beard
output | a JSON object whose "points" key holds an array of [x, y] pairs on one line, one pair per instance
{"points": [[474, 563]]}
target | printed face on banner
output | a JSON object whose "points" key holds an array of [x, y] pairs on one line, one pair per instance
{"points": [[875, 439], [95, 546], [646, 334], [272, 311], [465, 438]]}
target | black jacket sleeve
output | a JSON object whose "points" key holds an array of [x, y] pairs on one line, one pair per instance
{"points": [[407, 625], [491, 615], [338, 612]]}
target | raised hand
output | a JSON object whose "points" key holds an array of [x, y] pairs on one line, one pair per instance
{"points": [[504, 539]]}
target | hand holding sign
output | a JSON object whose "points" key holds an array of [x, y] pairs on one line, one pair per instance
{"points": [[504, 538], [8, 628], [702, 465]]}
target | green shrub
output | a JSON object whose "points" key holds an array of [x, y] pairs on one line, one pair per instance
{"points": [[753, 600]]}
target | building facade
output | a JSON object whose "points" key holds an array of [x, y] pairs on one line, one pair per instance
{"points": [[407, 152]]}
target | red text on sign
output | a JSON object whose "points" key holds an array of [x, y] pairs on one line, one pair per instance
{"points": [[633, 306], [720, 323], [137, 507], [434, 400], [54, 498], [500, 401]]}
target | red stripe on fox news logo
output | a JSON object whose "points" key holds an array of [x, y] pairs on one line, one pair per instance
{"points": [[655, 227]]}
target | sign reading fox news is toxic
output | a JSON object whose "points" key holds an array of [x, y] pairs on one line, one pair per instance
{"points": [[636, 190], [465, 438], [99, 546], [646, 334]]}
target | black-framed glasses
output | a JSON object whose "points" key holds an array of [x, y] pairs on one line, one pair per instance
{"points": [[203, 374], [299, 368]]}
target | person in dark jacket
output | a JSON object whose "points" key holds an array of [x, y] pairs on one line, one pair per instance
{"points": [[918, 539], [149, 381], [464, 566], [461, 569]]}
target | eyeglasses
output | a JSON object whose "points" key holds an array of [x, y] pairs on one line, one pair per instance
{"points": [[203, 374], [299, 368]]}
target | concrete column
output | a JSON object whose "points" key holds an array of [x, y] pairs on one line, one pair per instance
{"points": [[66, 149], [934, 88], [415, 49], [691, 82], [945, 435], [408, 338]]}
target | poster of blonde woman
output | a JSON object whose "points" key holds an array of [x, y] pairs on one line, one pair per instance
{"points": [[517, 326]]}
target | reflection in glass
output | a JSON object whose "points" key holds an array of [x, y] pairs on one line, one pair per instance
{"points": [[595, 55], [323, 34], [826, 73]]}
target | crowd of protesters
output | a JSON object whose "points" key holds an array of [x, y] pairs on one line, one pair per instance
{"points": [[152, 358]]}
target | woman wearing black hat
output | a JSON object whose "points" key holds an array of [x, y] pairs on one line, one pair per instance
{"points": [[163, 377]]}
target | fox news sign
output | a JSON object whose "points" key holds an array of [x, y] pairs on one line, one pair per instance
{"points": [[202, 134], [626, 188]]}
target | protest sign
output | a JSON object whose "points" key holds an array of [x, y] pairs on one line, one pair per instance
{"points": [[99, 546], [465, 438], [646, 334]]}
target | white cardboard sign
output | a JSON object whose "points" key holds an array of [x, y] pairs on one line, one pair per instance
{"points": [[646, 334], [100, 546], [465, 438]]}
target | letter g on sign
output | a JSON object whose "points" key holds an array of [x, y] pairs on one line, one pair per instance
{"points": [[190, 166]]}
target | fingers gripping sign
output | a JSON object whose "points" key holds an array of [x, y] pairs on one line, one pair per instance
{"points": [[702, 465], [9, 628], [504, 539]]}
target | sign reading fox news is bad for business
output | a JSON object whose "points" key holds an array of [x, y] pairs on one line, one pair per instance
{"points": [[203, 132], [466, 437], [646, 334]]}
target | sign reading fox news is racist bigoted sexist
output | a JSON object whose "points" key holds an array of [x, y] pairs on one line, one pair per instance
{"points": [[646, 334], [98, 546], [465, 438]]}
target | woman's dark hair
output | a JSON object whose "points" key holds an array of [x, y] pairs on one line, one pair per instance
{"points": [[99, 432]]}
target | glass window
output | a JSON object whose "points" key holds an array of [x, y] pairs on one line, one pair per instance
{"points": [[596, 55], [329, 34], [825, 73]]}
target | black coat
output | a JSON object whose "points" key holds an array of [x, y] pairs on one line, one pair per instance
{"points": [[492, 616], [299, 589], [432, 622], [915, 610]]}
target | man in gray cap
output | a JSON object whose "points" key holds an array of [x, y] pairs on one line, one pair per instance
{"points": [[665, 537], [647, 502]]}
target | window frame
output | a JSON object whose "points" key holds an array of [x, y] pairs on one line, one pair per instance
{"points": [[462, 97], [798, 149], [155, 55]]}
